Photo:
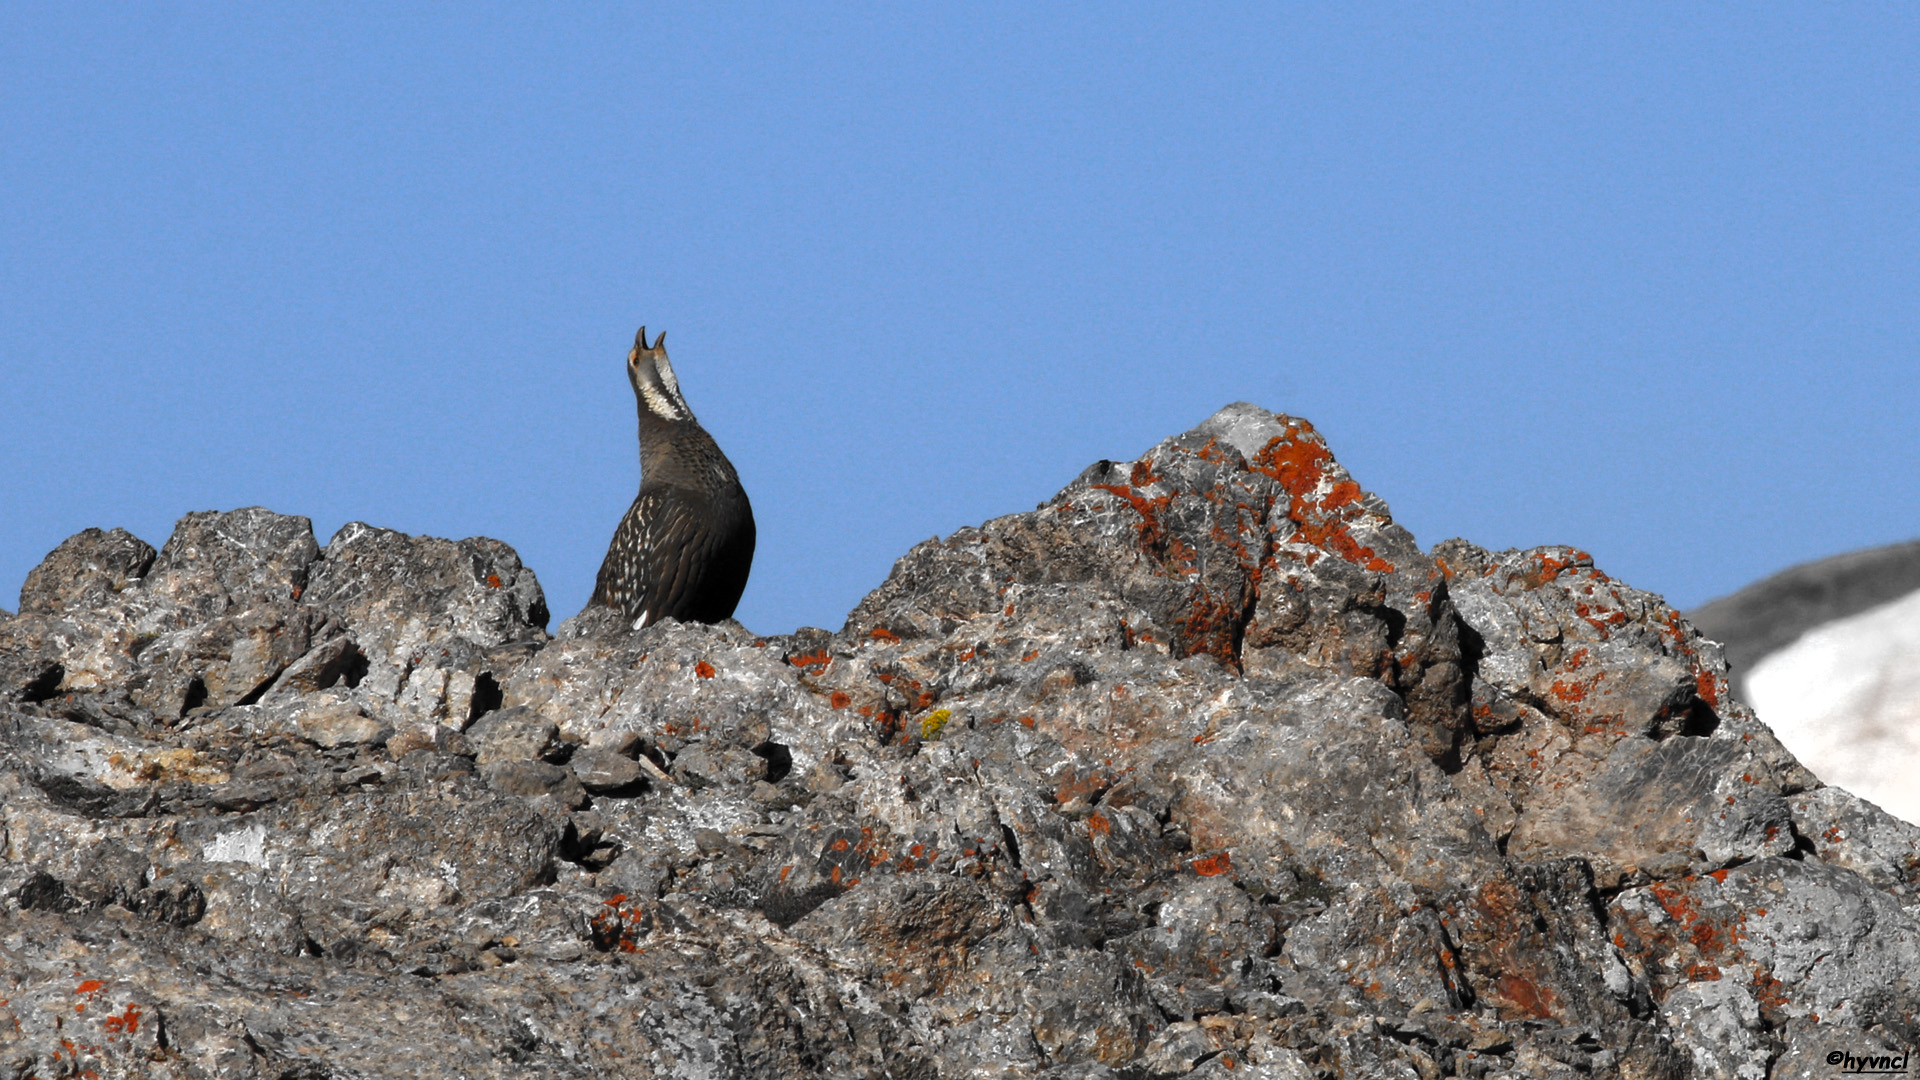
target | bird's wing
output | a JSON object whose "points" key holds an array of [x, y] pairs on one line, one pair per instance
{"points": [[677, 546]]}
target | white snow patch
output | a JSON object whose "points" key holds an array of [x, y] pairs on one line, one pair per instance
{"points": [[248, 845], [1845, 698]]}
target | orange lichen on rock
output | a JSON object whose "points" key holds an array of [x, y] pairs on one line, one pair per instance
{"points": [[619, 927], [1707, 685], [127, 1023], [1770, 993], [1601, 619], [1211, 625], [1322, 509], [1546, 569], [1084, 787], [1213, 865], [1527, 997], [1152, 536], [1342, 493], [813, 663], [1298, 459], [1572, 692], [1711, 937]]}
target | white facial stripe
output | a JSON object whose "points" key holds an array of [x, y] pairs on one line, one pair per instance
{"points": [[658, 403], [672, 384]]}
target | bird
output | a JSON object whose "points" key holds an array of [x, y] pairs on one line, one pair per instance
{"points": [[686, 545]]}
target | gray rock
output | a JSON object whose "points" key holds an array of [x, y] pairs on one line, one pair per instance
{"points": [[1850, 832], [219, 562], [230, 660], [1203, 768], [516, 734], [535, 778], [340, 724], [437, 624], [601, 771], [1819, 1051], [84, 571]]}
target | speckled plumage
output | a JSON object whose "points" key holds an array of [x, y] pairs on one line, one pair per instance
{"points": [[684, 549]]}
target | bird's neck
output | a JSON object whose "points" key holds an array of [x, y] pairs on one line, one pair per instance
{"points": [[673, 450]]}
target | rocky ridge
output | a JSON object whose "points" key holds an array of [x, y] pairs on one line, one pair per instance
{"points": [[1201, 769]]}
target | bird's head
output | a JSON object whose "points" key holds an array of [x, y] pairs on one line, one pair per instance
{"points": [[654, 386]]}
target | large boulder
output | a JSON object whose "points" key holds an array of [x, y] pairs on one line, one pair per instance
{"points": [[1202, 768]]}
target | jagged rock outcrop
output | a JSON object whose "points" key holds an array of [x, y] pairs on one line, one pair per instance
{"points": [[1202, 768]]}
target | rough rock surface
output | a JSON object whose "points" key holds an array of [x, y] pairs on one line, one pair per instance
{"points": [[1203, 768]]}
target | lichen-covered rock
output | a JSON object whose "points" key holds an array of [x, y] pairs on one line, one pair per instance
{"points": [[1202, 768], [1605, 727]]}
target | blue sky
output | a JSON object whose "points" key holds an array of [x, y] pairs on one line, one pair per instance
{"points": [[1634, 279]]}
